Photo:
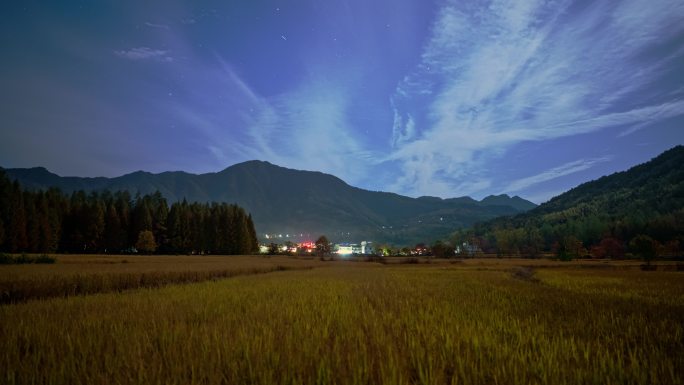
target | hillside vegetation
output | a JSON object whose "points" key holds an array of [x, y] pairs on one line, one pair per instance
{"points": [[599, 217]]}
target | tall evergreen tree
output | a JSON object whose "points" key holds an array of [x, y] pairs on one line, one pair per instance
{"points": [[45, 241], [2, 233], [159, 211], [5, 204], [17, 239], [122, 201], [141, 218], [252, 236], [57, 207], [175, 230], [114, 236], [32, 222], [95, 225]]}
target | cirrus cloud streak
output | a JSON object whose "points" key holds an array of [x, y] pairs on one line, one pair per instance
{"points": [[496, 74]]}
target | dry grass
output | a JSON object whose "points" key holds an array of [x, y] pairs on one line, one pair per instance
{"points": [[359, 324], [89, 274]]}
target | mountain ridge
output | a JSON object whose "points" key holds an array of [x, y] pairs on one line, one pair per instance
{"points": [[288, 201]]}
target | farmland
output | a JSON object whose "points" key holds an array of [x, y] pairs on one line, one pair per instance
{"points": [[90, 274], [307, 321]]}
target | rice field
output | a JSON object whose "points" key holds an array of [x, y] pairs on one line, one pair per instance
{"points": [[90, 274], [477, 322]]}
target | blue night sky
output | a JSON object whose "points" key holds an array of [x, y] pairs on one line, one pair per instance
{"points": [[443, 98]]}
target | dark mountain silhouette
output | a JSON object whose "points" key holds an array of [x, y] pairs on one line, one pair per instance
{"points": [[301, 204]]}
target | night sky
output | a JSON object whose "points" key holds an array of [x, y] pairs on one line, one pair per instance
{"points": [[442, 98]]}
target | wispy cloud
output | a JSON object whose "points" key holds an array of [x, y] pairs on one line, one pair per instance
{"points": [[498, 74], [305, 128], [556, 172], [157, 25], [308, 128], [144, 53]]}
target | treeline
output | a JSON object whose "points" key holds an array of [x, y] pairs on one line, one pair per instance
{"points": [[590, 235], [50, 221]]}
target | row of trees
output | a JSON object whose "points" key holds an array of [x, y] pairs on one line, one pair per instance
{"points": [[50, 221], [585, 235]]}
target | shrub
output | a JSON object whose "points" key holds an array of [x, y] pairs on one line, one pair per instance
{"points": [[6, 259], [45, 259], [25, 259]]}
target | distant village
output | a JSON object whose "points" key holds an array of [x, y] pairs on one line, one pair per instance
{"points": [[362, 248], [366, 248]]}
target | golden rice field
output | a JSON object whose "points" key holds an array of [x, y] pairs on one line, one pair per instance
{"points": [[478, 322], [90, 274]]}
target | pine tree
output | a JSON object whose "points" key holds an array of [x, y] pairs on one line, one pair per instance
{"points": [[174, 228], [32, 222], [73, 234], [113, 235], [194, 223], [5, 194], [225, 231], [95, 225], [209, 238], [241, 245], [17, 239], [159, 211], [141, 218], [123, 209], [2, 234], [45, 240], [57, 207], [251, 231]]}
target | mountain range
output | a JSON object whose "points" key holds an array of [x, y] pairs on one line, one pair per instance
{"points": [[299, 205]]}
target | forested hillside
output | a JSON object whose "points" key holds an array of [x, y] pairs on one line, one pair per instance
{"points": [[105, 222], [597, 218]]}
